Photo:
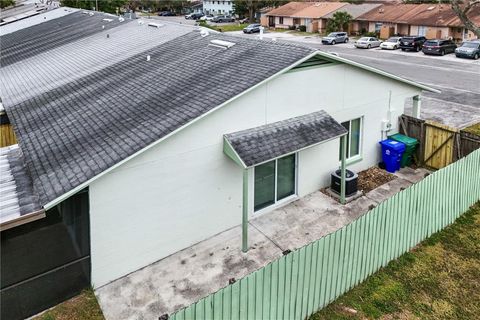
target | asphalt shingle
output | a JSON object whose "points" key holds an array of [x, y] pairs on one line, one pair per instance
{"points": [[73, 132], [270, 141], [36, 39]]}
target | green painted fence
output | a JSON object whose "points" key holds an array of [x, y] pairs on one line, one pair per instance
{"points": [[308, 279]]}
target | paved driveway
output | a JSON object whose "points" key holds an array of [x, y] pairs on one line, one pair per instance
{"points": [[189, 275]]}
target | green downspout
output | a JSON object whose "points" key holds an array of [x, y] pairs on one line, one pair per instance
{"points": [[245, 212], [343, 151]]}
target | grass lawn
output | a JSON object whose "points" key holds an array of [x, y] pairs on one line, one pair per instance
{"points": [[439, 279], [475, 129], [82, 307]]}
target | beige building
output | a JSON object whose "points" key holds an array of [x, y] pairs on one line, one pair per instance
{"points": [[429, 20]]}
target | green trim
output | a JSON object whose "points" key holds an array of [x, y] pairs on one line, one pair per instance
{"points": [[245, 212], [231, 153], [343, 169]]}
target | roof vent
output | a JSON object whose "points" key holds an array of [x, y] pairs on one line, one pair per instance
{"points": [[107, 20], [222, 44], [154, 24], [204, 32], [430, 8]]}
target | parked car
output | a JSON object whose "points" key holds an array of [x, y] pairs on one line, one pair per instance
{"points": [[166, 14], [439, 47], [194, 16], [469, 49], [367, 42], [412, 43], [252, 28], [207, 17], [335, 37], [392, 43], [219, 19]]}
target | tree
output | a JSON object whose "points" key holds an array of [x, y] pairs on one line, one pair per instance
{"points": [[339, 21], [6, 3], [463, 9], [109, 6], [248, 8]]}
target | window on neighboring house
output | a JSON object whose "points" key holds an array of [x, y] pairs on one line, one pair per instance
{"points": [[274, 180], [280, 20], [296, 21], [354, 138], [422, 30]]}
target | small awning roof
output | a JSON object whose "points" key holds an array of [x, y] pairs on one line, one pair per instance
{"points": [[261, 144]]}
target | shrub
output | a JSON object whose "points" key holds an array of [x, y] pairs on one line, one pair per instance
{"points": [[302, 28]]}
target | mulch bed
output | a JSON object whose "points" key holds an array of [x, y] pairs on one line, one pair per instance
{"points": [[373, 178]]}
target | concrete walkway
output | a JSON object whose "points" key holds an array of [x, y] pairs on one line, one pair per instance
{"points": [[191, 274]]}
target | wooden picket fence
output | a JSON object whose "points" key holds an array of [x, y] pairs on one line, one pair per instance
{"points": [[308, 279]]}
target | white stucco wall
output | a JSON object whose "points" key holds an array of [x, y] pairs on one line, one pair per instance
{"points": [[218, 7], [185, 189]]}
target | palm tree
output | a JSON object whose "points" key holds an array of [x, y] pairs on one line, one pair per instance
{"points": [[341, 19]]}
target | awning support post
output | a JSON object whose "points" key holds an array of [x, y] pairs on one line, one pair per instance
{"points": [[417, 106], [245, 212], [343, 169]]}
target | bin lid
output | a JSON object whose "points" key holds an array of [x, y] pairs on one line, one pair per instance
{"points": [[393, 145], [404, 139]]}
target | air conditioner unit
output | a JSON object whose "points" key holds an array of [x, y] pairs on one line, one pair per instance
{"points": [[351, 182]]}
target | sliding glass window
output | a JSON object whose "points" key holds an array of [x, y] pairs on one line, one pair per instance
{"points": [[274, 181]]}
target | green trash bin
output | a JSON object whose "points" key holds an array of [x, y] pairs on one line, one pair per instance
{"points": [[410, 146]]}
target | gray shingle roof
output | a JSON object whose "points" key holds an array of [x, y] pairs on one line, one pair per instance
{"points": [[33, 40], [73, 132], [273, 140]]}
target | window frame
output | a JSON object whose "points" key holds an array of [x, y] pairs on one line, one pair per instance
{"points": [[358, 156], [277, 203]]}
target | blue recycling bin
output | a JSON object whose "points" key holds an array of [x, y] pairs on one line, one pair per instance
{"points": [[392, 152]]}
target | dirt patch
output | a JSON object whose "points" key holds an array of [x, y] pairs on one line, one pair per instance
{"points": [[373, 178]]}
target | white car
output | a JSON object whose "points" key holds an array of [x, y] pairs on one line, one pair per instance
{"points": [[367, 42], [207, 17], [392, 43]]}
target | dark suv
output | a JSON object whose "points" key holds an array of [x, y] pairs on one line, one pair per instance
{"points": [[412, 43], [440, 47]]}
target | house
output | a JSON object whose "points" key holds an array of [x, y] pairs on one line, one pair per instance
{"points": [[138, 139], [308, 14], [429, 20], [218, 7], [354, 10]]}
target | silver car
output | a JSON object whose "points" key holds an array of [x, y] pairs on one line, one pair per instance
{"points": [[367, 42], [393, 43]]}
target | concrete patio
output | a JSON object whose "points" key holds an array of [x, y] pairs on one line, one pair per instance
{"points": [[191, 274]]}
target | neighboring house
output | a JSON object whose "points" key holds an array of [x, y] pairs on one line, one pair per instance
{"points": [[355, 10], [429, 20], [139, 140], [218, 7], [308, 14], [195, 6]]}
